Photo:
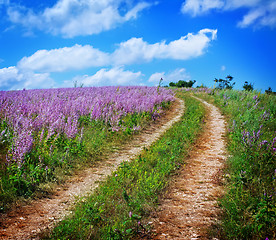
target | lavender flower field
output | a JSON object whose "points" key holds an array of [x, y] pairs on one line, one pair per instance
{"points": [[33, 123]]}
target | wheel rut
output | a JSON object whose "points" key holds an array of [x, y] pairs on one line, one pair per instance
{"points": [[189, 207], [29, 221]]}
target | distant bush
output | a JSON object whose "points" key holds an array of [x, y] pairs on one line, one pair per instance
{"points": [[181, 84], [269, 91], [248, 86], [225, 83]]}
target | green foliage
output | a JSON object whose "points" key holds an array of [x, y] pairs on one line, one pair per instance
{"points": [[117, 209], [172, 84], [269, 91], [181, 84], [225, 83], [250, 200], [248, 86]]}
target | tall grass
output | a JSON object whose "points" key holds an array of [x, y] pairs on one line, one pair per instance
{"points": [[249, 203], [118, 209]]}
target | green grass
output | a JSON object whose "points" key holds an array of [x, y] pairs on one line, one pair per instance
{"points": [[119, 207], [249, 204]]}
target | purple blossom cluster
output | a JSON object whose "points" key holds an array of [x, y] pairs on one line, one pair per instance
{"points": [[269, 145], [249, 139], [57, 111], [253, 139]]}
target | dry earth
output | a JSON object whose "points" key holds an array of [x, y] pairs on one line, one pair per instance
{"points": [[189, 207], [27, 222]]}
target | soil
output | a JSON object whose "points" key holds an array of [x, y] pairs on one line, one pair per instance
{"points": [[189, 208], [30, 220]]}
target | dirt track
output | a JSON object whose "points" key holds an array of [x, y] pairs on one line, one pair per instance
{"points": [[27, 222], [189, 208]]}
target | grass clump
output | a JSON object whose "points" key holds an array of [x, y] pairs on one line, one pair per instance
{"points": [[119, 207]]}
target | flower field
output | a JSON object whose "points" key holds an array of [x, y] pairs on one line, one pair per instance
{"points": [[36, 124]]}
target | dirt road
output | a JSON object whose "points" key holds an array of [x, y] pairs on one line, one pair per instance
{"points": [[189, 207]]}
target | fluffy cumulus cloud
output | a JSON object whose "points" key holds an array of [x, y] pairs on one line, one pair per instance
{"points": [[113, 76], [136, 50], [155, 77], [260, 12], [71, 18], [64, 59], [173, 76], [13, 78]]}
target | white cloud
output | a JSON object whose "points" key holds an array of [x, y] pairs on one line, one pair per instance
{"points": [[132, 51], [71, 18], [251, 17], [64, 59], [260, 13], [155, 77], [173, 76], [13, 78], [135, 10], [198, 7], [178, 74], [223, 68], [136, 50], [190, 46], [8, 75], [261, 16], [113, 76]]}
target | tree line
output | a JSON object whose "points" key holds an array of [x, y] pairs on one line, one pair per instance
{"points": [[226, 83]]}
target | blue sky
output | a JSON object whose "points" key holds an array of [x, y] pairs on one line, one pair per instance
{"points": [[56, 43]]}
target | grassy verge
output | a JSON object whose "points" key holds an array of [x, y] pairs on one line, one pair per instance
{"points": [[119, 207], [250, 201]]}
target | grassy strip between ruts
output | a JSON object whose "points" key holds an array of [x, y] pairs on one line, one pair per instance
{"points": [[119, 207]]}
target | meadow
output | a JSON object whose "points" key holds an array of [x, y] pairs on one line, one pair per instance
{"points": [[46, 134]]}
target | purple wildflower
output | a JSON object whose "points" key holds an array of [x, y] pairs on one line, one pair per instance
{"points": [[57, 111]]}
